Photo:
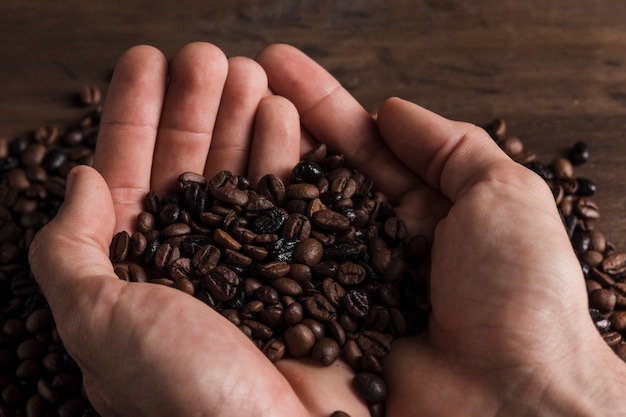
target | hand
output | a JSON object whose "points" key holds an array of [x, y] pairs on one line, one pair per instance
{"points": [[144, 349], [510, 333]]}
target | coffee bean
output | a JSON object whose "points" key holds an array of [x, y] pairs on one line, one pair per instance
{"points": [[274, 349], [356, 302], [268, 221], [370, 386], [222, 283], [299, 340], [90, 95], [331, 221], [325, 351], [306, 171], [374, 343], [579, 153], [308, 251], [319, 308]]}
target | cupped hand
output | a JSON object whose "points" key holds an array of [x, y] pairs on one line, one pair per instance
{"points": [[510, 333], [149, 350]]}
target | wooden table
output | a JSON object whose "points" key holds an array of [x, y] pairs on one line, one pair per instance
{"points": [[554, 70]]}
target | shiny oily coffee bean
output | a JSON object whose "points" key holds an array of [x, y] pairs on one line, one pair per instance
{"points": [[370, 386]]}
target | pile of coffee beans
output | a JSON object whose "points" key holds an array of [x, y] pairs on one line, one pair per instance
{"points": [[318, 268], [603, 266], [37, 376]]}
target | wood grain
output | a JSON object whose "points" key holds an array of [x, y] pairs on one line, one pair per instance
{"points": [[554, 70]]}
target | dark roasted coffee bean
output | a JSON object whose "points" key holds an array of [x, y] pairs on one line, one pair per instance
{"points": [[120, 246], [331, 220], [585, 188], [274, 349], [333, 291], [336, 332], [350, 273], [297, 226], [308, 251], [287, 286], [342, 252], [374, 343], [267, 295], [299, 340], [225, 241], [294, 314], [230, 195], [222, 283], [356, 302], [370, 386], [302, 191], [306, 172], [273, 316], [371, 363], [205, 259], [326, 351], [165, 255], [268, 221], [274, 269], [283, 249], [579, 153], [272, 187], [319, 308]]}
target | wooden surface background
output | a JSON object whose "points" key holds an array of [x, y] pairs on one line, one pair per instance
{"points": [[554, 70]]}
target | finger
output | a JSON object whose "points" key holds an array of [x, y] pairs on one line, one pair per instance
{"points": [[449, 155], [69, 256], [197, 75], [276, 144], [334, 117], [128, 129], [245, 86]]}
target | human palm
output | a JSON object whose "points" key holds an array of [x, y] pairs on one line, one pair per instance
{"points": [[504, 282]]}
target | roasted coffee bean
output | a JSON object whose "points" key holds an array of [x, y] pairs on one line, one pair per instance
{"points": [[308, 251], [319, 308], [267, 295], [225, 241], [614, 263], [302, 191], [579, 153], [297, 226], [268, 221], [294, 314], [356, 302], [374, 343], [350, 274], [585, 187], [326, 351], [333, 291], [299, 340], [230, 195], [306, 172], [274, 349], [331, 221], [222, 283], [287, 286], [342, 252], [283, 249], [120, 247], [275, 269], [272, 187], [370, 386]]}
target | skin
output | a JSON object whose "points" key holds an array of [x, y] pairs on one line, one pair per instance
{"points": [[509, 334]]}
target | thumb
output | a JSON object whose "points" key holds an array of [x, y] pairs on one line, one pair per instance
{"points": [[69, 257]]}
